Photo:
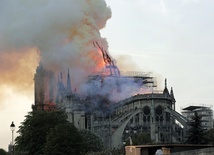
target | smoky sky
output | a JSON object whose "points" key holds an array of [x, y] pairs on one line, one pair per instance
{"points": [[58, 33]]}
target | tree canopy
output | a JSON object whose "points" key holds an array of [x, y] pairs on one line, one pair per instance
{"points": [[35, 128], [140, 139], [92, 143], [50, 133], [196, 133], [210, 136], [2, 152], [64, 139]]}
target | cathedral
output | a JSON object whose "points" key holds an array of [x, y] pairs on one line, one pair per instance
{"points": [[113, 106]]}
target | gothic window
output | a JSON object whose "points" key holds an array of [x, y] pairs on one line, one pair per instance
{"points": [[159, 113], [146, 114], [146, 110]]}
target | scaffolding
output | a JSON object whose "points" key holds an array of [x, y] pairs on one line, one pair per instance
{"points": [[204, 111]]}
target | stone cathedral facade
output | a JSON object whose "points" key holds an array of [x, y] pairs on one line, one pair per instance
{"points": [[152, 112]]}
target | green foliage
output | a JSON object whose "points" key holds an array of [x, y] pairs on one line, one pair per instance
{"points": [[2, 152], [210, 136], [92, 143], [33, 131], [196, 133], [64, 139], [140, 139], [50, 133]]}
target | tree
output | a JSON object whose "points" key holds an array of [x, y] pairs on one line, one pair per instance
{"points": [[140, 139], [63, 139], [2, 152], [33, 131], [92, 143], [196, 132], [210, 136]]}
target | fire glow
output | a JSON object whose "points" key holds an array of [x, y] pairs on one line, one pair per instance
{"points": [[61, 40], [37, 30]]}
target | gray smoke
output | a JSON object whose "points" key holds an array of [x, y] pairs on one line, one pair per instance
{"points": [[61, 33]]}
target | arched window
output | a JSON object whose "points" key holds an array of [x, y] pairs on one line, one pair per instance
{"points": [[159, 113], [146, 114]]}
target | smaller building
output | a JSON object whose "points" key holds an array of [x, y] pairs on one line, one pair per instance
{"points": [[205, 112]]}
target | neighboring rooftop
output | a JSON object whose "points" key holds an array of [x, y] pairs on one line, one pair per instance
{"points": [[192, 107]]}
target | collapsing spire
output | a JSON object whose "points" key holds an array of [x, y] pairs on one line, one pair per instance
{"points": [[109, 63]]}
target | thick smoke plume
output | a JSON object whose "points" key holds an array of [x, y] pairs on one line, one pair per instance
{"points": [[59, 33]]}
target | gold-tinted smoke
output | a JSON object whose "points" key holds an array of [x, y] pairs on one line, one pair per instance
{"points": [[17, 69]]}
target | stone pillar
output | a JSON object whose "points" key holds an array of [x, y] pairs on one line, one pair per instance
{"points": [[152, 122]]}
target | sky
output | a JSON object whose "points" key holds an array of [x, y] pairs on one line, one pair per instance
{"points": [[171, 39]]}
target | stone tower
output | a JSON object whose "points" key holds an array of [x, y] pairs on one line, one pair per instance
{"points": [[44, 89]]}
